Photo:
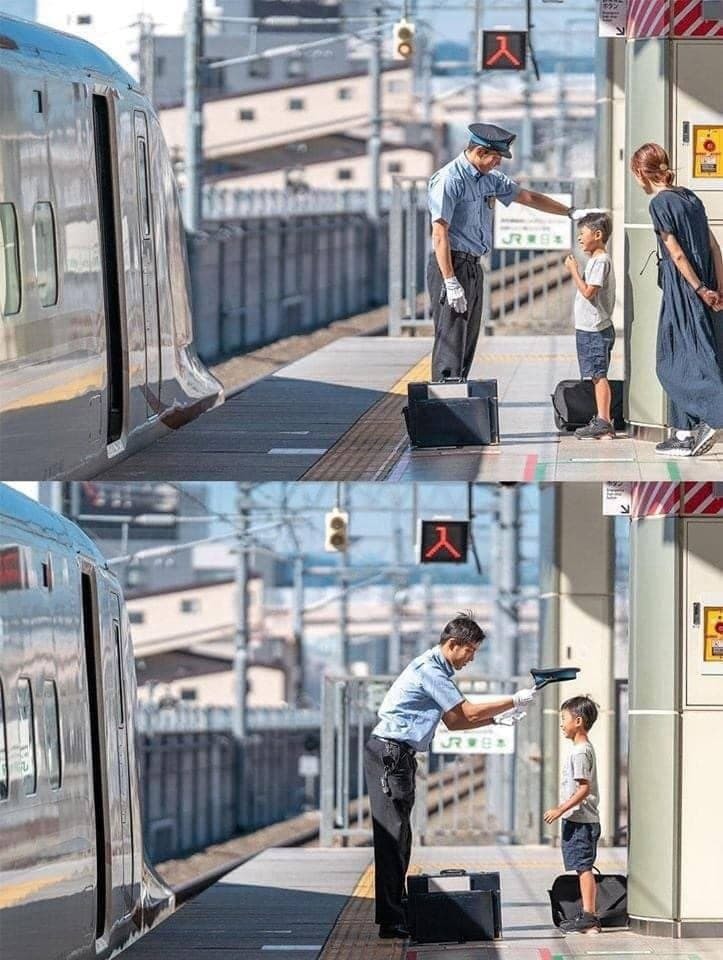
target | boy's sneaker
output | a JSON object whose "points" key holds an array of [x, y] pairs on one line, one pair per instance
{"points": [[583, 923], [596, 429], [673, 447], [703, 439]]}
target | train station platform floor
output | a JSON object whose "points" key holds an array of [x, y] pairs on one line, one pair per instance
{"points": [[336, 414], [317, 904]]}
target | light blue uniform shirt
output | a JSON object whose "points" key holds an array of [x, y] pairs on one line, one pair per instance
{"points": [[415, 702], [463, 197]]}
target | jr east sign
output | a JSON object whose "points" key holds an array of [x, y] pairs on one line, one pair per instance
{"points": [[490, 739], [521, 228]]}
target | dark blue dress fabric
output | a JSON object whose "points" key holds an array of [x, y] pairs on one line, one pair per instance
{"points": [[688, 363]]}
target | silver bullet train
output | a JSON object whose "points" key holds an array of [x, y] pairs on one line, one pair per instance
{"points": [[96, 341], [74, 883]]}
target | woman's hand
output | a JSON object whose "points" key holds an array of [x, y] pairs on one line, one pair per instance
{"points": [[570, 264], [710, 297]]}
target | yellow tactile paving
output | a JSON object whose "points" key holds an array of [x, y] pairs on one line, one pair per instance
{"points": [[355, 934]]}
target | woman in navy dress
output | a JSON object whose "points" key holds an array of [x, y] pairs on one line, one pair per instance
{"points": [[688, 362]]}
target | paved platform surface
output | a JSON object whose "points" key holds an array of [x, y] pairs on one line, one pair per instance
{"points": [[336, 415], [314, 904]]}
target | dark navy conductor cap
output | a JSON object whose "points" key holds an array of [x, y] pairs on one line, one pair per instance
{"points": [[492, 137]]}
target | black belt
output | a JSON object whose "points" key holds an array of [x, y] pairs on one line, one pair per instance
{"points": [[463, 255], [399, 743]]}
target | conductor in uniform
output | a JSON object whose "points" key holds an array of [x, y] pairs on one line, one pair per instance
{"points": [[461, 202], [421, 695]]}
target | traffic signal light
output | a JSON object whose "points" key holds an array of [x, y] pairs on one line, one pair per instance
{"points": [[403, 40], [443, 541], [337, 530], [504, 49]]}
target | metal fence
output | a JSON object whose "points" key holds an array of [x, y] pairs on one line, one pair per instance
{"points": [[200, 788], [268, 277], [220, 203], [189, 717]]}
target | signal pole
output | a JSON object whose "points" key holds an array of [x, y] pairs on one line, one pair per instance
{"points": [[240, 660], [475, 49], [146, 64], [192, 212]]}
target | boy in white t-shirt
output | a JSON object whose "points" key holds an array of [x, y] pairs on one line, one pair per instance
{"points": [[592, 309]]}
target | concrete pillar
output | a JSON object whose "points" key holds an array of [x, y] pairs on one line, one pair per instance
{"points": [[676, 727], [577, 551]]}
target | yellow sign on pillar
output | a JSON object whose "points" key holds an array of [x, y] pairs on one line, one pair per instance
{"points": [[708, 151], [713, 633]]}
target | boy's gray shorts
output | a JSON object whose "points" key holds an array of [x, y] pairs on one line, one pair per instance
{"points": [[593, 351], [579, 844]]}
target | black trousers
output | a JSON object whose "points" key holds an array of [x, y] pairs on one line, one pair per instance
{"points": [[455, 334], [391, 819]]}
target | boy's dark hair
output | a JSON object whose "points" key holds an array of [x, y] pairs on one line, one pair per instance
{"points": [[597, 221], [582, 707], [463, 628]]}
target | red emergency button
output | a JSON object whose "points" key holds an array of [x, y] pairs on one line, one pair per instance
{"points": [[709, 145], [719, 627]]}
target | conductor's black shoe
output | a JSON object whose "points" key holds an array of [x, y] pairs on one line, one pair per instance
{"points": [[583, 923], [397, 932]]}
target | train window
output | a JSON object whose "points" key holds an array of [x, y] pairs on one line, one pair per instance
{"points": [[143, 186], [26, 736], [9, 261], [119, 662], [46, 263], [52, 733], [3, 749]]}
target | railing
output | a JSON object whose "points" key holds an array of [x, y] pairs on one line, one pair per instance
{"points": [[185, 717], [221, 203]]}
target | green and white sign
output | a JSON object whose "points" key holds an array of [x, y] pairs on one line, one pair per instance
{"points": [[521, 228]]}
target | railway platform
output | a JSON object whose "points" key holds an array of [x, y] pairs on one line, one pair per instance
{"points": [[317, 904], [336, 414]]}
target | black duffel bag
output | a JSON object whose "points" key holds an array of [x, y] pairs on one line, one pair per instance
{"points": [[574, 404], [452, 413], [611, 902]]}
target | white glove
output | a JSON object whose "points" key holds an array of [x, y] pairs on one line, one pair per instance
{"points": [[524, 696], [455, 295], [510, 717], [578, 214]]}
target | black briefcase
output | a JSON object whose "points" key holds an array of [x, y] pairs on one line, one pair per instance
{"points": [[574, 404], [454, 906], [611, 901], [452, 413]]}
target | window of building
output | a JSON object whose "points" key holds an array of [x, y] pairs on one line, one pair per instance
{"points": [[44, 250], [297, 103], [344, 93], [247, 114], [84, 19], [52, 733], [296, 67], [395, 166], [189, 694], [396, 86], [4, 780], [9, 261], [136, 616], [26, 736], [344, 173], [191, 605], [160, 66], [261, 69]]}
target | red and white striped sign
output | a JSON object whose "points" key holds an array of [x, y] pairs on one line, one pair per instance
{"points": [[666, 499], [688, 20], [656, 499], [702, 500], [648, 18], [652, 18]]}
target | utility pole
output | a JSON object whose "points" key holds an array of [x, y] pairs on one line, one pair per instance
{"points": [[240, 660], [146, 57], [192, 212], [374, 150], [506, 640], [398, 583], [298, 630], [561, 151], [476, 73], [344, 581], [425, 639]]}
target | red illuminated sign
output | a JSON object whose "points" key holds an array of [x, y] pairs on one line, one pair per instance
{"points": [[504, 50], [443, 541], [12, 569]]}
